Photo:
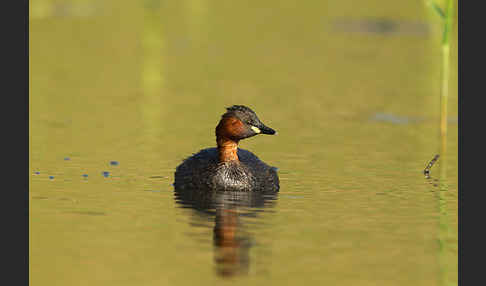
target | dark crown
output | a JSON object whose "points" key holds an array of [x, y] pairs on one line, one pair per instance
{"points": [[241, 108]]}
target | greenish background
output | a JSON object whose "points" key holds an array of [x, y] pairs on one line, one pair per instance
{"points": [[352, 87]]}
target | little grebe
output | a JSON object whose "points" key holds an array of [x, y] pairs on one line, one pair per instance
{"points": [[227, 167]]}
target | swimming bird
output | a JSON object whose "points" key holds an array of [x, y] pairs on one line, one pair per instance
{"points": [[227, 167]]}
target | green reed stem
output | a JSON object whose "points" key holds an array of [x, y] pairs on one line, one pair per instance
{"points": [[444, 228], [443, 110], [447, 18], [444, 92]]}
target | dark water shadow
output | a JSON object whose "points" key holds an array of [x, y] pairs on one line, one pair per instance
{"points": [[231, 239], [395, 119], [381, 26]]}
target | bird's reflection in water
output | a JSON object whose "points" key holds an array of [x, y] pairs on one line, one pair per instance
{"points": [[231, 238]]}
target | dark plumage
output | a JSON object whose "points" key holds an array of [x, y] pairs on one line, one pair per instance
{"points": [[202, 171], [227, 167]]}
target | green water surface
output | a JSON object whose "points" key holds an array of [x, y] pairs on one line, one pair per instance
{"points": [[352, 87]]}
